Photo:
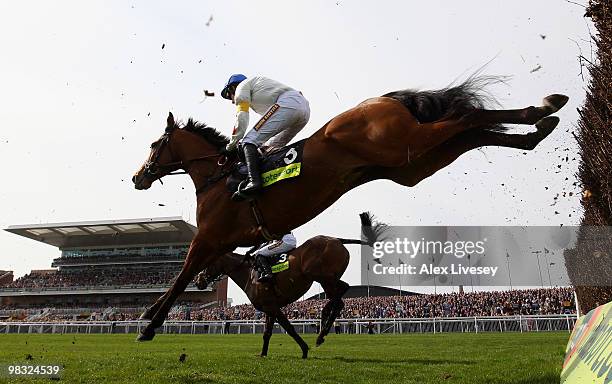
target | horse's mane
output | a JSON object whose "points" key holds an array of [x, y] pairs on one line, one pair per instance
{"points": [[211, 135]]}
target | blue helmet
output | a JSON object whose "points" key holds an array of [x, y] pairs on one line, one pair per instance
{"points": [[234, 79]]}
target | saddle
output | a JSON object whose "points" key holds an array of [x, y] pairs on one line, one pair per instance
{"points": [[282, 164], [279, 262]]}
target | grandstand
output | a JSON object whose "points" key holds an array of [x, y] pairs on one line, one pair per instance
{"points": [[124, 264]]}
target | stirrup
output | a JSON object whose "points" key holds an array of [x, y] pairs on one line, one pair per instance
{"points": [[254, 188], [241, 195]]}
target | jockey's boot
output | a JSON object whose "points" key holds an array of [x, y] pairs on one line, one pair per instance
{"points": [[264, 269], [251, 159]]}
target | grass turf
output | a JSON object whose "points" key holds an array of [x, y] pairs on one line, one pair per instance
{"points": [[500, 358]]}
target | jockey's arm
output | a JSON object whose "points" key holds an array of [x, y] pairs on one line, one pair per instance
{"points": [[242, 122], [290, 240], [243, 102]]}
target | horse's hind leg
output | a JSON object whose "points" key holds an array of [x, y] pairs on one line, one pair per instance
{"points": [[529, 115], [334, 290], [337, 306], [438, 132], [449, 151], [288, 327], [270, 318], [325, 313]]}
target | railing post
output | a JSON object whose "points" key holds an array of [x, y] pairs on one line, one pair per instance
{"points": [[475, 324]]}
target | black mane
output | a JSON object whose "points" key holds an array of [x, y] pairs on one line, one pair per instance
{"points": [[211, 135]]}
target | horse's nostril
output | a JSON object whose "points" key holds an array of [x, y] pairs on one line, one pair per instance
{"points": [[134, 178]]}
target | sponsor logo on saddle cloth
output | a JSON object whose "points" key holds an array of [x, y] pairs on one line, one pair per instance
{"points": [[282, 164], [281, 263]]}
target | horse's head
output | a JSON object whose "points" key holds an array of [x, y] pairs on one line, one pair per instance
{"points": [[178, 148], [210, 274], [231, 264], [161, 160]]}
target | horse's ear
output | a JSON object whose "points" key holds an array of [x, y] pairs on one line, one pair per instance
{"points": [[170, 120]]}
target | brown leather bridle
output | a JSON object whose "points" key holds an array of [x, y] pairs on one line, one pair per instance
{"points": [[152, 168]]}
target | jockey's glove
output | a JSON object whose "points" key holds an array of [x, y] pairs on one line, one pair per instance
{"points": [[229, 150]]}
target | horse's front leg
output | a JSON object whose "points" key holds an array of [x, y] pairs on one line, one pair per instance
{"points": [[198, 256], [149, 312], [270, 318], [284, 322]]}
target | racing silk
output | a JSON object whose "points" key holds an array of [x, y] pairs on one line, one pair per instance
{"points": [[258, 93], [275, 247]]}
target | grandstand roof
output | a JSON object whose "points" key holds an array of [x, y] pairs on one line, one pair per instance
{"points": [[81, 234]]}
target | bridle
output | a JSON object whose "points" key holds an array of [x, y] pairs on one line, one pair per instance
{"points": [[152, 168], [220, 276]]}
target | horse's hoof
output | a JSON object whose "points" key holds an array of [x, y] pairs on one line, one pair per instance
{"points": [[546, 125], [305, 353], [555, 102], [320, 340], [146, 336]]}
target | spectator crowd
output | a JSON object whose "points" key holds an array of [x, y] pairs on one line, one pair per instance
{"points": [[486, 303], [490, 303], [97, 277]]}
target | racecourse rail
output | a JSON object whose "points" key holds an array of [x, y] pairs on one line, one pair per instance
{"points": [[534, 323]]}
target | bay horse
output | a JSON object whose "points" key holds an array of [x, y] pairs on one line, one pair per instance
{"points": [[403, 136], [322, 259]]}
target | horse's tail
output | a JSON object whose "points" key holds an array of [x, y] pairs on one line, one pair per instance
{"points": [[449, 102], [371, 233]]}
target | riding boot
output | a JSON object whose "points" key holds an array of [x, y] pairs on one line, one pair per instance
{"points": [[251, 158], [264, 269]]}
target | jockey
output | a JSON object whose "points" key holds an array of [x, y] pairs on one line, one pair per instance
{"points": [[284, 113], [269, 249]]}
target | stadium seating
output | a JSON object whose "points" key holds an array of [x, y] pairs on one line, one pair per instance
{"points": [[493, 303]]}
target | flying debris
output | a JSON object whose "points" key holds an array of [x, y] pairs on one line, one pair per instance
{"points": [[207, 94], [536, 69], [163, 45], [210, 19]]}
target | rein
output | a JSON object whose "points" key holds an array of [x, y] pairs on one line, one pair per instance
{"points": [[245, 257], [152, 168]]}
